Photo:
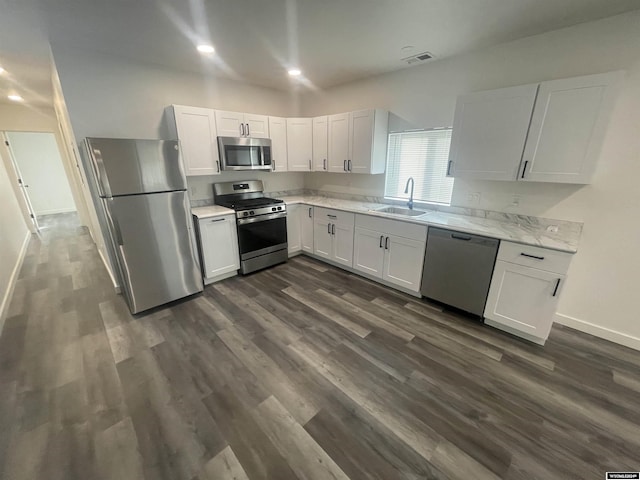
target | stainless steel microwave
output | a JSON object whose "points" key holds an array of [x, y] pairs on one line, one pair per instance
{"points": [[242, 153]]}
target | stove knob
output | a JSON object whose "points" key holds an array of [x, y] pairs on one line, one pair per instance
{"points": [[274, 209], [279, 208], [251, 212], [245, 214]]}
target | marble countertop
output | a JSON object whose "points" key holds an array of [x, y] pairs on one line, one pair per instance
{"points": [[526, 234], [211, 211]]}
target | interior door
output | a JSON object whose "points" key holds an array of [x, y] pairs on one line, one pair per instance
{"points": [[361, 125], [153, 235], [338, 135], [368, 251], [278, 134], [489, 132], [320, 144], [22, 187]]}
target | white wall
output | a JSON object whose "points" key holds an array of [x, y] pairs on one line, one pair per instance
{"points": [[14, 235], [41, 168], [600, 293]]}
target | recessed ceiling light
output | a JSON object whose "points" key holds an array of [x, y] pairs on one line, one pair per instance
{"points": [[2, 70], [294, 72], [206, 49], [15, 98]]}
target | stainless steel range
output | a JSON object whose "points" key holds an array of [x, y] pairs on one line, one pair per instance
{"points": [[261, 223]]}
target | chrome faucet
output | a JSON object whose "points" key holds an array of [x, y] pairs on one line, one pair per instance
{"points": [[406, 190]]}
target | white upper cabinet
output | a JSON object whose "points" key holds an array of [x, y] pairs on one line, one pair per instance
{"points": [[369, 131], [278, 133], [567, 128], [320, 144], [338, 146], [547, 132], [489, 133], [299, 144], [236, 124], [195, 128]]}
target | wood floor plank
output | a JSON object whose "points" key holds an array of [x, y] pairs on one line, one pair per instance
{"points": [[225, 465]]}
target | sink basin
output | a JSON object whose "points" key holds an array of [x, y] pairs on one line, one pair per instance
{"points": [[402, 211]]}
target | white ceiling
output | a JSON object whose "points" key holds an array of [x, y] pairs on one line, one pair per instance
{"points": [[332, 41]]}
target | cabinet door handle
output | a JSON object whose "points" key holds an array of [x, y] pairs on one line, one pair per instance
{"points": [[242, 129], [324, 163], [555, 290], [310, 212], [218, 165], [331, 216], [273, 165], [386, 243], [248, 131], [460, 237], [449, 168], [329, 228], [310, 165], [349, 165], [344, 166], [524, 169], [381, 237], [531, 256], [333, 229], [218, 220]]}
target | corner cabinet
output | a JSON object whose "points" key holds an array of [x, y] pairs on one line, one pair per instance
{"points": [[357, 141], [299, 144], [390, 250], [333, 235], [195, 128], [218, 239], [278, 134], [546, 132], [525, 288], [320, 144]]}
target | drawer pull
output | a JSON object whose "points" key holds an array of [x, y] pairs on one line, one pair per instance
{"points": [[331, 216], [218, 220], [555, 290], [531, 256], [460, 237]]}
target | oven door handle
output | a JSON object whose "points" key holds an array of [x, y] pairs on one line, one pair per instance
{"points": [[262, 218]]}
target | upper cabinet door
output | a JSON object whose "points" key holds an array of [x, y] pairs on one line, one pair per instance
{"points": [[196, 130], [361, 147], [338, 149], [230, 124], [320, 144], [489, 133], [256, 126], [567, 128], [299, 144], [278, 134]]}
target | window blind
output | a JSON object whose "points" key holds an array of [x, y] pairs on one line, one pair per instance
{"points": [[423, 156]]}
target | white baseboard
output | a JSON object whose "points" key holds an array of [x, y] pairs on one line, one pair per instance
{"points": [[6, 300], [598, 331]]}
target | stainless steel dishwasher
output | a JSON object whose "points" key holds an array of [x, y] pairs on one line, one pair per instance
{"points": [[457, 269]]}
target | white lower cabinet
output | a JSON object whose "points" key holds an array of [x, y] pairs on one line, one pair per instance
{"points": [[294, 229], [306, 228], [524, 291], [333, 235], [219, 247], [390, 250]]}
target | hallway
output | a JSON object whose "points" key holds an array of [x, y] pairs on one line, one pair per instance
{"points": [[301, 371]]}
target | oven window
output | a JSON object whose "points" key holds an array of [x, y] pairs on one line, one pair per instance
{"points": [[242, 155], [259, 235]]}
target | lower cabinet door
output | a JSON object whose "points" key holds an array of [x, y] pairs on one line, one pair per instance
{"points": [[293, 228], [219, 240], [403, 262], [342, 244], [322, 239], [523, 298], [368, 251], [306, 228]]}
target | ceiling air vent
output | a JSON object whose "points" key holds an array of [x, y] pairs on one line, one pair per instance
{"points": [[421, 57]]}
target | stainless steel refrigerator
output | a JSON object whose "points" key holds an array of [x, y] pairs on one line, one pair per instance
{"points": [[140, 192]]}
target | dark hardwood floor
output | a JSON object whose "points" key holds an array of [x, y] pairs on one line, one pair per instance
{"points": [[301, 371]]}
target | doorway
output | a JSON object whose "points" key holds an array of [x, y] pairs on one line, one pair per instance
{"points": [[41, 174]]}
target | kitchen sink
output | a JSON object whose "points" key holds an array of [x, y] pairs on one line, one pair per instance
{"points": [[402, 211]]}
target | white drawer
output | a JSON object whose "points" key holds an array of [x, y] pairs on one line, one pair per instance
{"points": [[392, 227], [335, 216], [536, 257]]}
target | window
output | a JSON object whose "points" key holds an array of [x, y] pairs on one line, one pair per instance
{"points": [[424, 156]]}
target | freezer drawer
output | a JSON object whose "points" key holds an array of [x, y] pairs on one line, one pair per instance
{"points": [[155, 248], [458, 268]]}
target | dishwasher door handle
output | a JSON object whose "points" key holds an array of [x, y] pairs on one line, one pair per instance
{"points": [[460, 237]]}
